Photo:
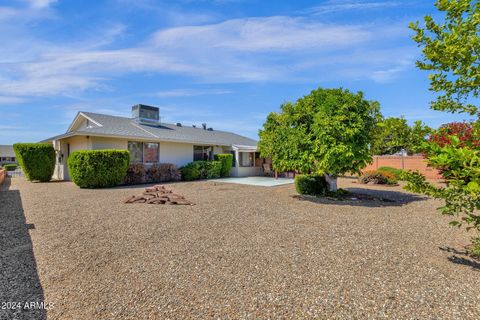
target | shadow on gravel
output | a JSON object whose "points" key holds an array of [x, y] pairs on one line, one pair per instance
{"points": [[21, 294], [367, 198], [461, 257]]}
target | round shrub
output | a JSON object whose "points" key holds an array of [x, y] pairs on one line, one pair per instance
{"points": [[212, 169], [190, 171], [314, 185], [136, 174], [227, 162], [377, 177], [162, 172], [393, 171], [201, 170], [98, 168], [37, 160], [10, 167]]}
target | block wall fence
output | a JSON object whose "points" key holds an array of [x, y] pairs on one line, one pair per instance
{"points": [[406, 163]]}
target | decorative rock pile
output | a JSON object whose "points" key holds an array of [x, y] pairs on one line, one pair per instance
{"points": [[159, 195]]}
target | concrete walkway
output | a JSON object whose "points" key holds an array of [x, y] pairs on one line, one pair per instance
{"points": [[256, 181]]}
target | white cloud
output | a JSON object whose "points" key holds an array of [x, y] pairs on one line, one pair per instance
{"points": [[41, 3], [263, 34], [337, 6], [191, 92], [275, 48], [10, 100]]}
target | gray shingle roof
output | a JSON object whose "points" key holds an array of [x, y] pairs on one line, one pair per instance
{"points": [[126, 127], [6, 151]]}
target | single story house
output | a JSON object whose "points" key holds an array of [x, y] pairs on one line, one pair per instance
{"points": [[151, 141], [7, 155]]}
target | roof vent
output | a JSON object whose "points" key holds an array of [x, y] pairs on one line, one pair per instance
{"points": [[146, 114], [179, 124], [204, 125], [210, 129], [194, 126]]}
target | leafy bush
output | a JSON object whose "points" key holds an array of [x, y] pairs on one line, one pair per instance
{"points": [[227, 163], [314, 185], [395, 172], [211, 169], [36, 159], [475, 251], [98, 168], [136, 174], [10, 167], [377, 177], [201, 170], [163, 172], [191, 171]]}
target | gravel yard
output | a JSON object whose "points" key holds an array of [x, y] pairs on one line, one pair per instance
{"points": [[240, 252]]}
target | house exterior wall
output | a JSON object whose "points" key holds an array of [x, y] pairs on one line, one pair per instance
{"points": [[177, 153], [65, 146], [99, 143], [170, 152], [248, 171]]}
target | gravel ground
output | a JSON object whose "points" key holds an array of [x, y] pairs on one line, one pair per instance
{"points": [[240, 252]]}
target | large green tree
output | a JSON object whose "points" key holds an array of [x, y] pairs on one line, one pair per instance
{"points": [[451, 51], [419, 133], [394, 134], [326, 132]]}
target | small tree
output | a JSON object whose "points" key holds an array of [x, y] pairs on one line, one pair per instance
{"points": [[464, 131], [327, 132], [419, 134], [391, 136], [394, 134], [450, 52]]}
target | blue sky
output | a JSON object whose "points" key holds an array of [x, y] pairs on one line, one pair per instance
{"points": [[226, 62]]}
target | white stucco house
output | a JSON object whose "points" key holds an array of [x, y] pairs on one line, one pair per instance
{"points": [[151, 141], [7, 155]]}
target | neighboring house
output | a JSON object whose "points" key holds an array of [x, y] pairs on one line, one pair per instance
{"points": [[151, 141], [7, 155]]}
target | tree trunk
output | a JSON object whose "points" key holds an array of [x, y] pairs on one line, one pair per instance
{"points": [[332, 182]]}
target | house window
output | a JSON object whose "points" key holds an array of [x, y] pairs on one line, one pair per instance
{"points": [[250, 159], [143, 152], [246, 159], [202, 153], [150, 152], [136, 151]]}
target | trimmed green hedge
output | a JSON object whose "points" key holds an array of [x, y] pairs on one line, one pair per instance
{"points": [[314, 185], [10, 166], [227, 162], [201, 170], [37, 160], [98, 168]]}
